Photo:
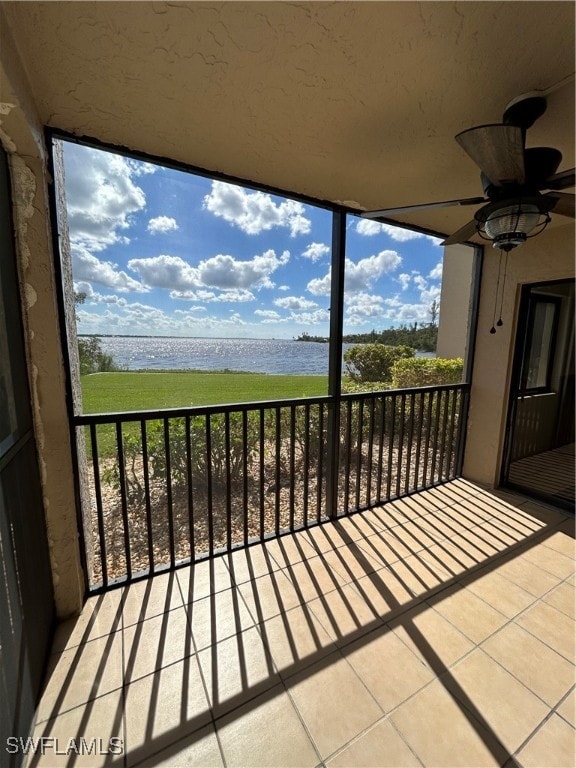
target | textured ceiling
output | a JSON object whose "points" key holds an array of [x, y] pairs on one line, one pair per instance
{"points": [[351, 102]]}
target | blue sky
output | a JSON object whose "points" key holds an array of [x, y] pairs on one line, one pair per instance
{"points": [[163, 252]]}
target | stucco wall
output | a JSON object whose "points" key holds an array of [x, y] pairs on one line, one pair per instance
{"points": [[21, 136], [455, 301], [549, 256]]}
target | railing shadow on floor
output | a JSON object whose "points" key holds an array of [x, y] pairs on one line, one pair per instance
{"points": [[341, 568]]}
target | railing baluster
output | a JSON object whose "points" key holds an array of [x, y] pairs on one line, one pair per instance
{"points": [[245, 474], [359, 440], [348, 454], [292, 462], [427, 443], [407, 484], [381, 448], [262, 436], [99, 508], [306, 462], [190, 489], [451, 454], [320, 463], [209, 504], [400, 443], [228, 484], [443, 438], [436, 431], [123, 498], [146, 475], [391, 447], [169, 503], [370, 452], [419, 439], [278, 455]]}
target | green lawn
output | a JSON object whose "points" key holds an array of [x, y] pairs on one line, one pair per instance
{"points": [[134, 391]]}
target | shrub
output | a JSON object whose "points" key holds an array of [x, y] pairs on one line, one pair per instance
{"points": [[373, 362], [92, 358], [425, 371]]}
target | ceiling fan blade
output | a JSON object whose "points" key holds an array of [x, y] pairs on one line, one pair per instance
{"points": [[562, 180], [498, 150], [564, 204], [462, 235], [422, 206]]}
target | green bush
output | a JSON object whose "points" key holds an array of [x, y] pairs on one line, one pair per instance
{"points": [[92, 358], [373, 362], [425, 371]]}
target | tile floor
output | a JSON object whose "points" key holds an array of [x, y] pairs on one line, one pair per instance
{"points": [[435, 631]]}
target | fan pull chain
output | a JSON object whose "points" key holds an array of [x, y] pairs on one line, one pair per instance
{"points": [[500, 323], [493, 329]]}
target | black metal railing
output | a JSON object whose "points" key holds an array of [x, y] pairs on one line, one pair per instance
{"points": [[179, 485]]}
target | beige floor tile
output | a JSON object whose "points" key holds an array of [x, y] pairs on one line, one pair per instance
{"points": [[324, 538], [379, 747], [453, 557], [271, 595], [163, 708], [251, 563], [351, 562], [541, 669], [543, 513], [290, 549], [443, 734], [333, 703], [429, 633], [527, 575], [562, 540], [468, 613], [150, 597], [384, 592], [359, 526], [156, 642], [443, 523], [508, 708], [567, 709], [99, 723], [282, 742], [204, 579], [101, 615], [563, 598], [552, 746], [387, 667], [81, 674], [500, 593], [345, 614], [218, 617], [296, 639], [551, 627], [314, 577], [236, 670], [198, 750], [550, 561]]}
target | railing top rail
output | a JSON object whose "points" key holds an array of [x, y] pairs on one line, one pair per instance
{"points": [[203, 410]]}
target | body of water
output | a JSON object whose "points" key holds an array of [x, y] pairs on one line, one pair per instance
{"points": [[280, 356]]}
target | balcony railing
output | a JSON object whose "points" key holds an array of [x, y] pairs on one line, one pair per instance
{"points": [[176, 486]]}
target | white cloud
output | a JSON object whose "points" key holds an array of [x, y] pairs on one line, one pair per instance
{"points": [[255, 212], [295, 303], [89, 268], [436, 273], [316, 318], [404, 280], [358, 276], [316, 251], [363, 307], [101, 196], [369, 227], [268, 315], [161, 224], [222, 271]]}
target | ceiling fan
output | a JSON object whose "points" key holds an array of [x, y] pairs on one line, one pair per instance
{"points": [[513, 179]]}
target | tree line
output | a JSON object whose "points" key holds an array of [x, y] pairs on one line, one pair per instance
{"points": [[421, 337]]}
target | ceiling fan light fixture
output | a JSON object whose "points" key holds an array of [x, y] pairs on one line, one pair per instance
{"points": [[509, 225]]}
